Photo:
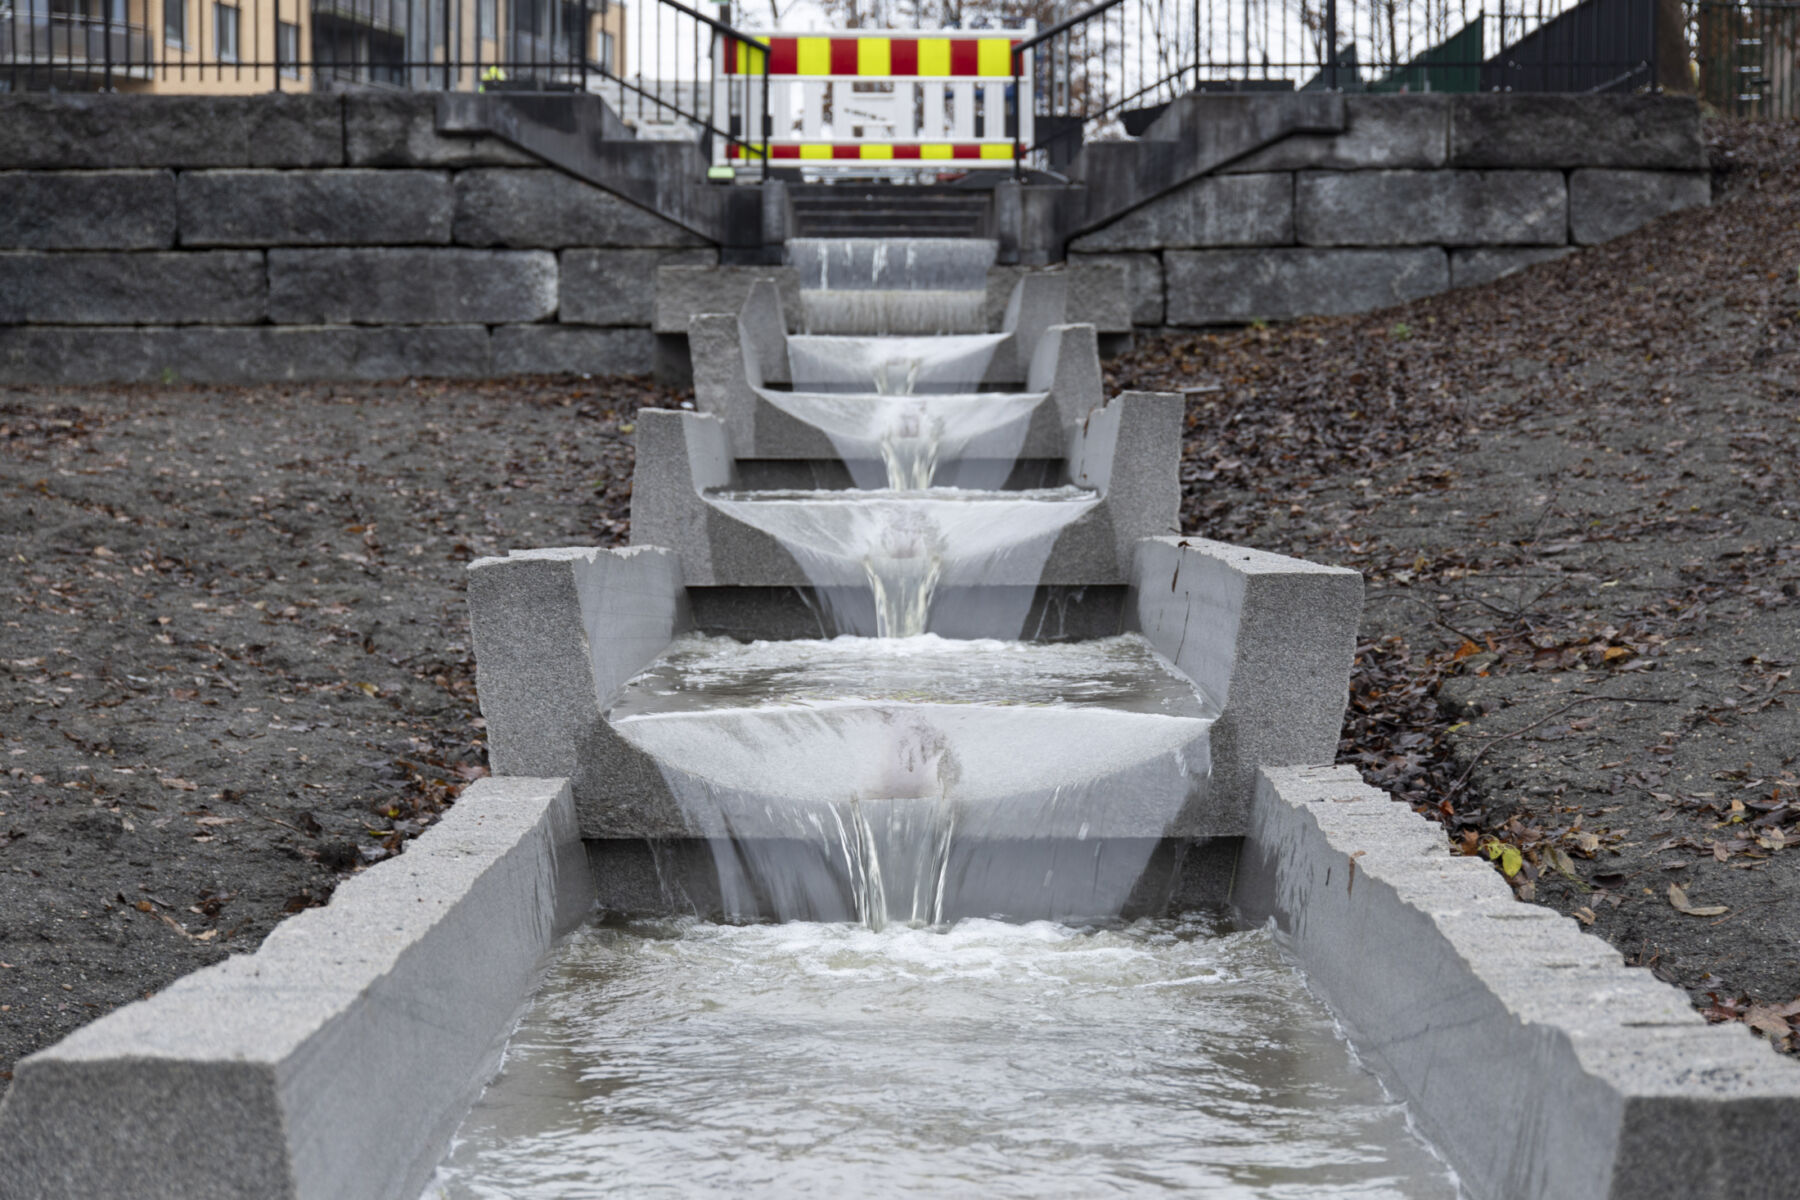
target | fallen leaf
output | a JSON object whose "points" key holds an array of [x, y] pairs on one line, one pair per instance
{"points": [[1585, 915], [179, 785], [1768, 1021], [1679, 900]]}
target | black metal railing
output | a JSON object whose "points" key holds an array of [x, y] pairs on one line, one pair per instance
{"points": [[654, 63], [75, 41], [1110, 69], [1747, 57]]}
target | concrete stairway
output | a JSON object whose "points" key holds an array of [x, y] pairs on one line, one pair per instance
{"points": [[889, 211]]}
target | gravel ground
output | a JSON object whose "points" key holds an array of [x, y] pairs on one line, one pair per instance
{"points": [[235, 661]]}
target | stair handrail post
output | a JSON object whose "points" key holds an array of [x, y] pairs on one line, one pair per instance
{"points": [[1018, 113], [766, 56], [1331, 46]]}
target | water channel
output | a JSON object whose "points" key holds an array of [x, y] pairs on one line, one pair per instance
{"points": [[1176, 1057], [882, 1013]]}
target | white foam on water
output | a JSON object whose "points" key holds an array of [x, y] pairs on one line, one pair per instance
{"points": [[905, 546], [954, 363], [917, 264], [676, 1058], [871, 311], [970, 440]]}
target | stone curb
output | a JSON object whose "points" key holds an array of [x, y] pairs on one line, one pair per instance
{"points": [[1269, 640], [1535, 1060], [557, 632], [336, 1060]]}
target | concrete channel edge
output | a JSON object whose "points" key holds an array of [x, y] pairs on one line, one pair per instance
{"points": [[1538, 1062], [337, 1059]]}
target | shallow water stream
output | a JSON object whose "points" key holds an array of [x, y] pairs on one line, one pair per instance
{"points": [[676, 1058]]}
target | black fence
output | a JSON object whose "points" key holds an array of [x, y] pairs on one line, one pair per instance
{"points": [[653, 61], [1100, 72], [1111, 68], [1747, 58]]}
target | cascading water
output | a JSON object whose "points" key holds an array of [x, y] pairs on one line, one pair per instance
{"points": [[900, 762], [897, 437], [877, 799], [892, 286], [904, 546], [888, 845]]}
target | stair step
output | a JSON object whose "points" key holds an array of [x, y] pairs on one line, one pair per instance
{"points": [[828, 210]]}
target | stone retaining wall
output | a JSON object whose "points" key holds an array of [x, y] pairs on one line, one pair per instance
{"points": [[1418, 194], [307, 237], [252, 239]]}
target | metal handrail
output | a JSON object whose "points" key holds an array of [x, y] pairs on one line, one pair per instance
{"points": [[1019, 48], [1063, 26], [656, 97], [721, 26]]}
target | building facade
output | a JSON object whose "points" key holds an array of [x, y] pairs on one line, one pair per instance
{"points": [[238, 47]]}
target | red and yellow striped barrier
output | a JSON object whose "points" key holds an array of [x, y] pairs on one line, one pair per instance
{"points": [[867, 151], [978, 57]]}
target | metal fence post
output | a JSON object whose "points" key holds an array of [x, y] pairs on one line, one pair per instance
{"points": [[1331, 46], [1018, 114]]}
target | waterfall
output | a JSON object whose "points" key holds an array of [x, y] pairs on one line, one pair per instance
{"points": [[872, 779], [904, 545], [889, 774]]}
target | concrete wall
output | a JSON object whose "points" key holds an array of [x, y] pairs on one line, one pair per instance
{"points": [[307, 237], [1416, 195]]}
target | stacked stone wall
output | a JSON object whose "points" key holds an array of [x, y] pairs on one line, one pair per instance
{"points": [[1419, 194], [307, 237], [253, 239]]}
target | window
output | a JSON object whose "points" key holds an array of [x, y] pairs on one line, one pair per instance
{"points": [[484, 17], [287, 48], [175, 22], [604, 52], [225, 32]]}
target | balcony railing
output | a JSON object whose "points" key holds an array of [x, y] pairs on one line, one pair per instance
{"points": [[67, 44]]}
